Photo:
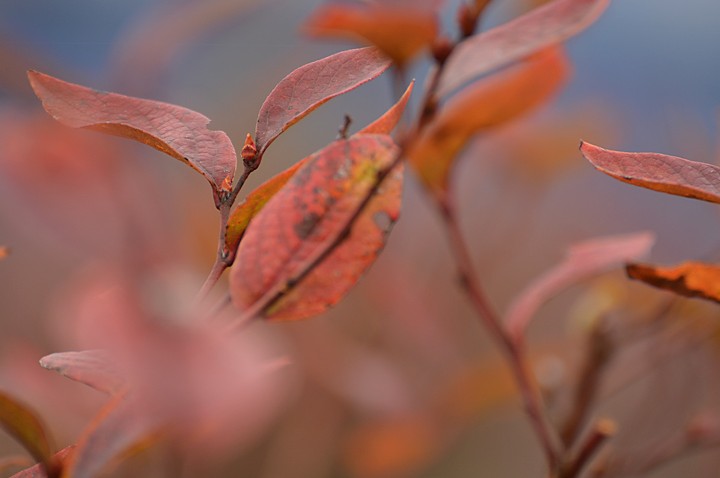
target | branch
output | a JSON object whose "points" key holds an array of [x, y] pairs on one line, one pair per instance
{"points": [[598, 355], [532, 400], [601, 432]]}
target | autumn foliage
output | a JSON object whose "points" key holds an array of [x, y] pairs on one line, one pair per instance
{"points": [[203, 380]]}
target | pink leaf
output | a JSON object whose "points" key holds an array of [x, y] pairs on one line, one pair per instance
{"points": [[174, 130], [311, 85], [659, 172], [546, 25], [581, 261], [91, 367]]}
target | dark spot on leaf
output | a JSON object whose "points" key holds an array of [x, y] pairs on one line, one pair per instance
{"points": [[305, 227]]}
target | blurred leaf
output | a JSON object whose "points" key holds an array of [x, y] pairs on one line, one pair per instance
{"points": [[37, 471], [689, 279], [4, 252], [547, 25], [312, 85], [581, 261], [25, 426], [481, 106], [304, 219], [402, 446], [390, 119], [659, 172], [174, 130], [256, 200], [160, 35], [115, 434], [541, 151], [474, 390], [399, 32], [91, 367]]}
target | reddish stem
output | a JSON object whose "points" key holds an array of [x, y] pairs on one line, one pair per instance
{"points": [[532, 400]]}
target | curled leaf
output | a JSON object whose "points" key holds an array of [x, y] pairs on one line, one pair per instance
{"points": [[581, 261], [256, 200], [312, 85], [174, 130], [303, 222], [659, 172], [689, 279], [399, 32], [91, 367], [25, 426], [481, 106], [547, 25]]}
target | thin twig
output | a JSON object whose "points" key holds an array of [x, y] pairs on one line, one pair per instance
{"points": [[600, 433], [599, 352], [224, 257], [529, 392]]}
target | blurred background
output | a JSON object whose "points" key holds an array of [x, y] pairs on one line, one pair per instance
{"points": [[398, 380]]}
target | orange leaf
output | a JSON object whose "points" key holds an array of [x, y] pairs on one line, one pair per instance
{"points": [[37, 471], [481, 106], [400, 33], [547, 25], [174, 130], [581, 261], [659, 172], [256, 200], [4, 252], [689, 279], [23, 424], [301, 223], [312, 85], [91, 367]]}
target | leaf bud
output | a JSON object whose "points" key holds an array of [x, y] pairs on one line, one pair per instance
{"points": [[467, 18], [249, 153], [441, 49]]}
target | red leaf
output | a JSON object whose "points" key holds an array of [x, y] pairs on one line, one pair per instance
{"points": [[547, 25], [302, 221], [91, 367], [689, 279], [659, 172], [400, 32], [174, 130], [256, 200], [483, 105], [37, 471], [23, 424], [581, 261], [312, 85]]}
